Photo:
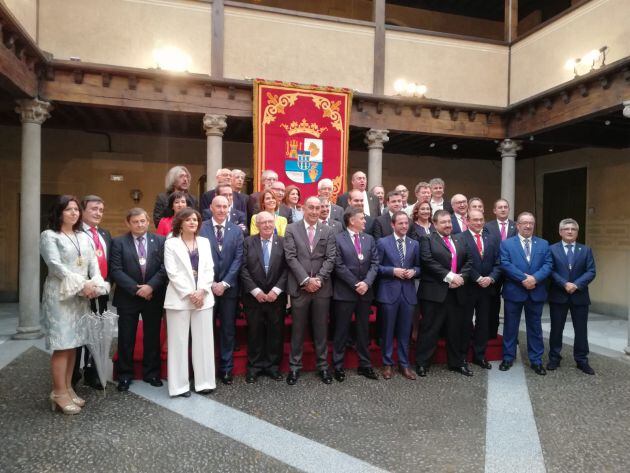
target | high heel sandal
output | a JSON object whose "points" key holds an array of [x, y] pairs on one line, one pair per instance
{"points": [[69, 409], [79, 401]]}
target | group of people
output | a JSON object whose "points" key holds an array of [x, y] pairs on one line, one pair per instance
{"points": [[431, 268]]}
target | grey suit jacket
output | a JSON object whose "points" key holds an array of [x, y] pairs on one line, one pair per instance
{"points": [[336, 212], [304, 263]]}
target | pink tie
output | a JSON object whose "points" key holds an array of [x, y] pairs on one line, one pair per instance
{"points": [[447, 242], [311, 235], [464, 226], [503, 232]]}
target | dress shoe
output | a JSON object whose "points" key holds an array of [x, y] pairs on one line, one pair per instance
{"points": [[538, 369], [387, 372], [483, 363], [368, 373], [421, 371], [206, 391], [553, 365], [186, 394], [226, 377], [292, 379], [505, 365], [463, 370], [250, 378], [340, 375], [325, 376], [155, 382], [90, 378], [275, 375], [407, 373], [586, 368], [123, 385]]}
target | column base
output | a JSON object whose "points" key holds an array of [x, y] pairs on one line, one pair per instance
{"points": [[627, 350], [28, 333]]}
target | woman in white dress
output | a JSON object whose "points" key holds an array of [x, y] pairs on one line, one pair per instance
{"points": [[73, 279], [188, 304]]}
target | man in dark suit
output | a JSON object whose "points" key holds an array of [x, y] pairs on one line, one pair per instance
{"points": [[500, 229], [484, 273], [325, 191], [383, 223], [438, 200], [399, 265], [178, 178], [137, 268], [264, 278], [240, 197], [226, 243], [459, 202], [234, 215], [356, 201], [446, 265], [573, 270], [279, 190], [526, 264], [325, 218], [356, 268], [93, 207], [309, 248], [223, 177], [268, 177], [371, 205]]}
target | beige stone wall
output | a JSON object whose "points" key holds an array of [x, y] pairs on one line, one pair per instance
{"points": [[125, 32], [289, 48], [607, 221], [25, 11], [538, 61], [453, 70]]}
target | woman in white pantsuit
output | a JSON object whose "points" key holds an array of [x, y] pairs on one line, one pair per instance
{"points": [[188, 304]]}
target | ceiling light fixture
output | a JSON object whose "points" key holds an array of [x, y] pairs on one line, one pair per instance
{"points": [[409, 89]]}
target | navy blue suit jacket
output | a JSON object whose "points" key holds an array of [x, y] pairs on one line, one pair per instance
{"points": [[228, 261], [487, 265], [492, 227], [456, 228], [350, 270], [581, 274], [239, 201], [514, 266], [124, 270], [391, 288]]}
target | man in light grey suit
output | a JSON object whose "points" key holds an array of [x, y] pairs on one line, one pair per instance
{"points": [[309, 248], [324, 191]]}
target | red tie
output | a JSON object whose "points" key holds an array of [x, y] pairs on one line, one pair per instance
{"points": [[479, 245], [100, 254], [447, 242]]}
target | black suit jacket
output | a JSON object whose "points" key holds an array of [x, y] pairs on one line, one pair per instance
{"points": [[487, 265], [285, 212], [375, 204], [492, 227], [435, 260], [382, 226], [369, 225], [350, 270], [125, 271], [161, 205], [239, 201], [253, 270], [107, 238]]}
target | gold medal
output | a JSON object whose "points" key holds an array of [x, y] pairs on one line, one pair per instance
{"points": [[142, 261], [99, 253], [80, 261], [360, 256]]}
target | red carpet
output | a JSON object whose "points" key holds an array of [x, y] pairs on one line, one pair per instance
{"points": [[493, 353]]}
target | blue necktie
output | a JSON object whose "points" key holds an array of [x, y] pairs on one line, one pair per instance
{"points": [[401, 252], [266, 255], [527, 251], [570, 256]]}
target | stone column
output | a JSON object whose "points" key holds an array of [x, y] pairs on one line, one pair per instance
{"points": [[374, 139], [626, 113], [508, 149], [33, 113], [215, 126]]}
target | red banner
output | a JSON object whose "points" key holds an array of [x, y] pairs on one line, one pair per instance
{"points": [[301, 132]]}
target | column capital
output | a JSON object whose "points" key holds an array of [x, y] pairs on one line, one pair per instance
{"points": [[509, 148], [214, 125], [33, 110], [374, 139]]}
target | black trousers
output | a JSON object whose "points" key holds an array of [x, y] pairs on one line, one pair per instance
{"points": [[479, 305], [127, 327], [494, 311], [265, 326], [307, 307], [342, 314], [97, 305], [434, 316]]}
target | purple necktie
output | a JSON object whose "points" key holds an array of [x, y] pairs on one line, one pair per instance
{"points": [[357, 243], [142, 255], [448, 244], [503, 232]]}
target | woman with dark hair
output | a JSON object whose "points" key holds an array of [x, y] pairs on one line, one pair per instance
{"points": [[292, 200], [176, 201], [188, 303], [73, 279], [421, 221], [269, 203]]}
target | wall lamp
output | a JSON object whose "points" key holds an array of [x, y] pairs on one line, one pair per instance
{"points": [[409, 89], [589, 62]]}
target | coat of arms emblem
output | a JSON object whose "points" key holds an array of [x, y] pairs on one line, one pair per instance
{"points": [[304, 155]]}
